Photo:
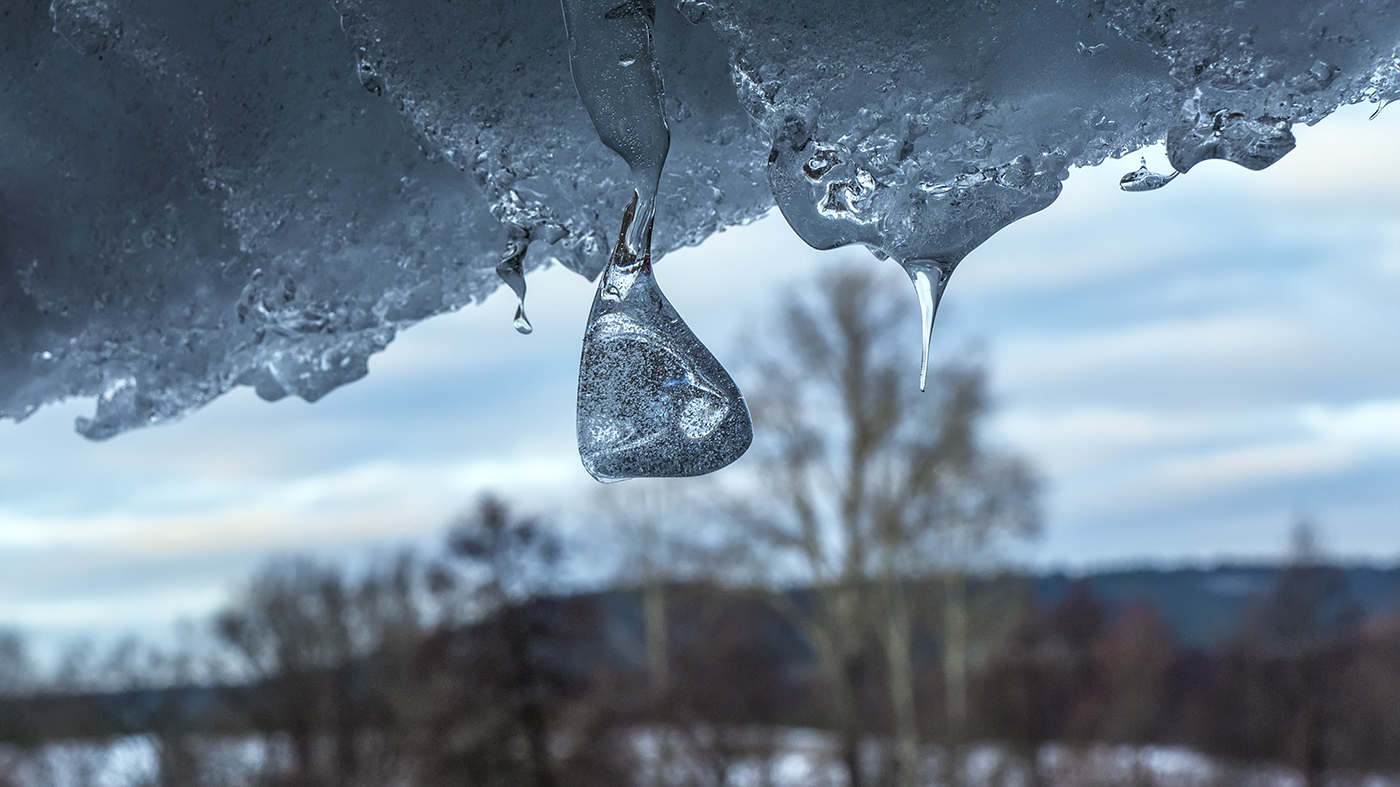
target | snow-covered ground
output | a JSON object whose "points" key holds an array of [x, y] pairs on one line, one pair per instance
{"points": [[694, 756]]}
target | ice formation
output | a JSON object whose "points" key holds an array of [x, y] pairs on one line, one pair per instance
{"points": [[195, 196], [652, 400]]}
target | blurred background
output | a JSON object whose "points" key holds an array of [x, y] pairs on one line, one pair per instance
{"points": [[1144, 528]]}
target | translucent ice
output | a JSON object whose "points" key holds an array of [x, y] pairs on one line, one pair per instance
{"points": [[1144, 179], [652, 400], [195, 196]]}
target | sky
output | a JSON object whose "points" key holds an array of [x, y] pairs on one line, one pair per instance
{"points": [[1189, 369]]}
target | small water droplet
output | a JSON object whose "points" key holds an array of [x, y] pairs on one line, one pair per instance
{"points": [[930, 280], [653, 402], [626, 61], [1090, 51], [1144, 179], [511, 271]]}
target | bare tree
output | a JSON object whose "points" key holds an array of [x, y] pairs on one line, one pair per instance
{"points": [[517, 700], [322, 652], [649, 518], [870, 484]]}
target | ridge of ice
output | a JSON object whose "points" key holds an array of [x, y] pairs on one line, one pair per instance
{"points": [[195, 196]]}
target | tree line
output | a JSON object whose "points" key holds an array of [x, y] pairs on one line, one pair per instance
{"points": [[846, 615]]}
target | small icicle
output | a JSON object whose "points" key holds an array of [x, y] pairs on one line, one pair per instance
{"points": [[511, 271], [1144, 179], [930, 280], [1379, 106]]}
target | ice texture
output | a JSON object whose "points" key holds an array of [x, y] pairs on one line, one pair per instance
{"points": [[195, 196], [653, 402]]}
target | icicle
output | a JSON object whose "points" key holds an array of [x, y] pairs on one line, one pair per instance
{"points": [[652, 400], [1379, 106], [512, 272], [930, 280], [1144, 179]]}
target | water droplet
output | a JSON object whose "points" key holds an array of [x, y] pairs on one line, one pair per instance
{"points": [[930, 280], [1144, 179], [511, 271], [653, 402], [1090, 51]]}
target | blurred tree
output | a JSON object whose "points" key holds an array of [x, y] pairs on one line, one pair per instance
{"points": [[16, 668], [647, 517], [869, 484], [1130, 698], [1369, 700], [326, 659], [517, 703], [1277, 692], [1306, 626]]}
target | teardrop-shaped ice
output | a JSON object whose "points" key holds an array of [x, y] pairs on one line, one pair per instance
{"points": [[652, 400]]}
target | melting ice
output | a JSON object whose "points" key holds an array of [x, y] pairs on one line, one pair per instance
{"points": [[652, 400], [1144, 179], [186, 207]]}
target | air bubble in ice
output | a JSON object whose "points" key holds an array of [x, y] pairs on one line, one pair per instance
{"points": [[370, 77], [1144, 179], [823, 159]]}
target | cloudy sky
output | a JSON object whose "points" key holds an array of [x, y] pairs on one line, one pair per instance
{"points": [[1189, 368]]}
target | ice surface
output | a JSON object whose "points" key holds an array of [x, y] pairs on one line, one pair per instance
{"points": [[195, 196]]}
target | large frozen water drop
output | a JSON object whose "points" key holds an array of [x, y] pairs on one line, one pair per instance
{"points": [[652, 400]]}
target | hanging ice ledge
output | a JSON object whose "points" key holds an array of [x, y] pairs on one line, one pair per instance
{"points": [[244, 192]]}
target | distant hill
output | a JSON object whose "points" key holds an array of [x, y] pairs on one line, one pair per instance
{"points": [[1205, 606]]}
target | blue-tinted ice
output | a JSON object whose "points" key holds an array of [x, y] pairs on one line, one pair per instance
{"points": [[652, 400]]}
